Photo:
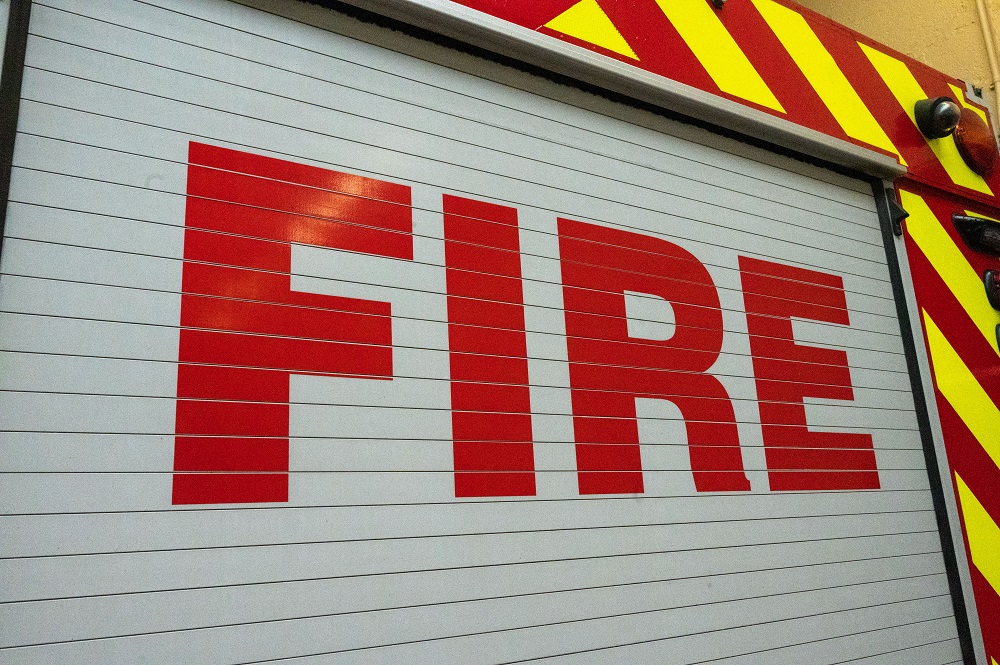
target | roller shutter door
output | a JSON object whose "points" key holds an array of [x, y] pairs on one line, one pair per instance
{"points": [[324, 344]]}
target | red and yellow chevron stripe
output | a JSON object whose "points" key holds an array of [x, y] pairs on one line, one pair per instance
{"points": [[774, 56], [779, 58], [960, 333]]}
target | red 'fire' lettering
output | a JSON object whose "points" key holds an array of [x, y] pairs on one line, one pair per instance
{"points": [[786, 372], [609, 370], [491, 409], [244, 331]]}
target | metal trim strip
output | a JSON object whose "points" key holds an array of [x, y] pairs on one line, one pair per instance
{"points": [[924, 422], [10, 97]]}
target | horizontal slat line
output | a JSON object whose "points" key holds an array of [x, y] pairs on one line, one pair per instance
{"points": [[550, 187], [837, 403], [825, 324], [645, 497], [388, 439], [454, 568], [425, 472], [188, 134], [404, 441], [662, 639], [833, 404], [437, 212], [534, 306], [474, 534], [383, 442], [884, 653], [558, 261], [417, 572], [600, 618], [534, 562], [547, 258], [410, 441], [303, 472], [549, 119], [517, 156], [856, 386], [95, 472], [507, 130], [426, 409], [665, 372], [489, 598], [637, 342], [840, 637], [475, 508], [475, 501], [399, 346], [416, 378], [783, 279], [751, 502]]}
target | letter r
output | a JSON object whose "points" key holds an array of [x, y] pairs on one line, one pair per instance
{"points": [[608, 369]]}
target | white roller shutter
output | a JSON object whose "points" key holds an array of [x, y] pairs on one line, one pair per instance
{"points": [[373, 558]]}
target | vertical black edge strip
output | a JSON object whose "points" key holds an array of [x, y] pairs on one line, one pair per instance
{"points": [[883, 204], [10, 97]]}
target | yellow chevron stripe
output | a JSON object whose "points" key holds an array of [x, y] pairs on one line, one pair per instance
{"points": [[976, 214], [587, 22], [717, 51], [825, 76], [948, 260], [963, 392], [908, 92], [964, 101], [983, 535]]}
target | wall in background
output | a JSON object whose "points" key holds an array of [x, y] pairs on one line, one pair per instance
{"points": [[946, 34]]}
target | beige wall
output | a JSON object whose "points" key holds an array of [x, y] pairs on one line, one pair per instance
{"points": [[945, 34]]}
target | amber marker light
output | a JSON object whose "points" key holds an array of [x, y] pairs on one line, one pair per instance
{"points": [[976, 142]]}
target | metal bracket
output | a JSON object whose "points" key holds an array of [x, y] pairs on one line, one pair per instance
{"points": [[896, 212]]}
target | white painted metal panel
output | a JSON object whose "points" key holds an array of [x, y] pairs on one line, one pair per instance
{"points": [[373, 558]]}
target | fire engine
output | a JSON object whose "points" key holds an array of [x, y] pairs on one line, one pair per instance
{"points": [[493, 331]]}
